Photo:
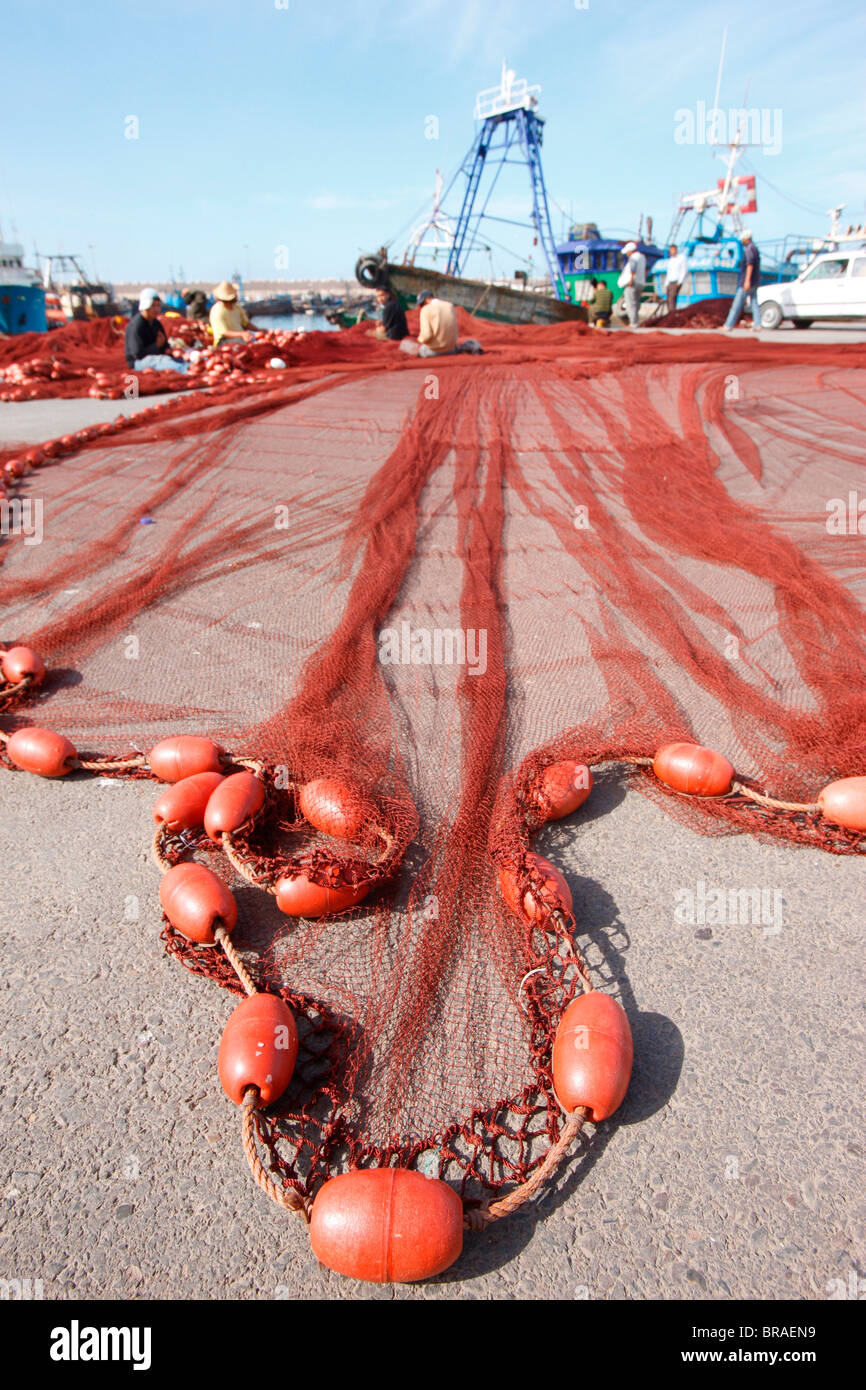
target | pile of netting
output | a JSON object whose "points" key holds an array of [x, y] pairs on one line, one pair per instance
{"points": [[88, 359], [705, 313], [428, 580]]}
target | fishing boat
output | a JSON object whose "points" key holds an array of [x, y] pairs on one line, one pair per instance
{"points": [[80, 298], [586, 255], [711, 243], [713, 219], [22, 297], [509, 131], [270, 306]]}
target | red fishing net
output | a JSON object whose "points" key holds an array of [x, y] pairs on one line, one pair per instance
{"points": [[429, 579]]}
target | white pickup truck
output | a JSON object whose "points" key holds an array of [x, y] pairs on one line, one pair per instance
{"points": [[833, 286]]}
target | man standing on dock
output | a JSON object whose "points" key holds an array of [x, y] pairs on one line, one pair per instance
{"points": [[678, 269], [747, 285], [632, 280]]}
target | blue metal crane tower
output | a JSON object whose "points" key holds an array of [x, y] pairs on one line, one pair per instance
{"points": [[510, 133]]}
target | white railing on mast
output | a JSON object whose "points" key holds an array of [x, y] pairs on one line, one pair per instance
{"points": [[512, 93]]}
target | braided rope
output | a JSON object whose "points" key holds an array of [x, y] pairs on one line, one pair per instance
{"points": [[10, 690], [163, 864], [243, 869], [741, 790], [476, 1220], [284, 1197], [111, 764], [222, 936], [558, 917]]}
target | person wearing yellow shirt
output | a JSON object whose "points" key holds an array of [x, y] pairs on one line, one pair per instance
{"points": [[228, 320]]}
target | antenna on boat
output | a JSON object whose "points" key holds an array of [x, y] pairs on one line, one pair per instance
{"points": [[438, 222], [719, 74]]}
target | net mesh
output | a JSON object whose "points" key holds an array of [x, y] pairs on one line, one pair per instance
{"points": [[626, 541]]}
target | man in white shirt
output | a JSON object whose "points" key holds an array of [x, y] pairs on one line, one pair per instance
{"points": [[632, 280], [678, 269]]}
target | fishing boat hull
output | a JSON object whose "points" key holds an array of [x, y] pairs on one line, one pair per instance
{"points": [[278, 304], [22, 309], [501, 303], [714, 264], [22, 294]]}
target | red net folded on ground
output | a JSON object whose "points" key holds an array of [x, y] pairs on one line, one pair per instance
{"points": [[429, 579]]}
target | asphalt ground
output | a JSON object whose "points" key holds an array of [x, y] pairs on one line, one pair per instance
{"points": [[732, 1170]]}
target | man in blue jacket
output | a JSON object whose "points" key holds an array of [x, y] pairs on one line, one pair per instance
{"points": [[747, 285]]}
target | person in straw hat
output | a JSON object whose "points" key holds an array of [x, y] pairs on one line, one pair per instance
{"points": [[228, 319]]}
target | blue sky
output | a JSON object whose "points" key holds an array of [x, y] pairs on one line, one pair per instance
{"points": [[301, 123]]}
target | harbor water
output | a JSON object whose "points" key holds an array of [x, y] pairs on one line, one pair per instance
{"points": [[290, 323]]}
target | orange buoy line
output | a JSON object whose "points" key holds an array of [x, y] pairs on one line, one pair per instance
{"points": [[378, 1224]]}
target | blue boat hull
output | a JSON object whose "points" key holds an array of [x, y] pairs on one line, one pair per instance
{"points": [[22, 309]]}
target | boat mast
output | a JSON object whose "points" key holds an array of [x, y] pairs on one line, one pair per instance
{"points": [[508, 110], [439, 223]]}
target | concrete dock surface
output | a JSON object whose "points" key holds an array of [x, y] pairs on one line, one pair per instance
{"points": [[733, 1169]]}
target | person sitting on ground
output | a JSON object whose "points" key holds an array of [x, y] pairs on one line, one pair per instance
{"points": [[145, 342], [228, 319], [393, 325], [599, 304], [438, 333]]}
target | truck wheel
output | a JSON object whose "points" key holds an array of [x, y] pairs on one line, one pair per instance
{"points": [[771, 314]]}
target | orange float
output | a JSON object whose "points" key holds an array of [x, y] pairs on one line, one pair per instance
{"points": [[844, 802], [535, 909], [334, 808], [233, 803], [259, 1047], [563, 787], [689, 767], [386, 1225], [184, 756], [195, 901], [300, 897], [41, 751], [18, 662], [592, 1055], [183, 805]]}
